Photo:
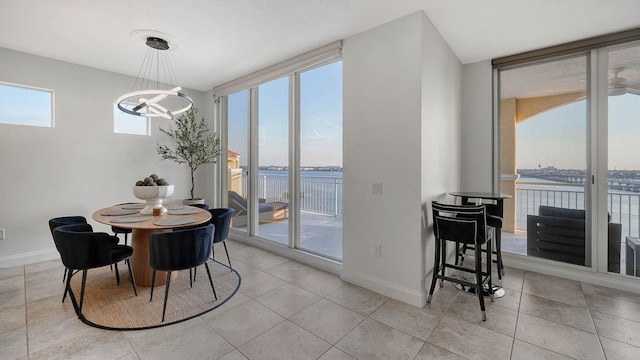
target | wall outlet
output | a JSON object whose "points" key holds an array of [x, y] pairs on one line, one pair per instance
{"points": [[377, 250], [376, 188], [1, 234]]}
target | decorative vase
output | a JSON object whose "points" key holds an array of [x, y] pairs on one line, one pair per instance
{"points": [[153, 196]]}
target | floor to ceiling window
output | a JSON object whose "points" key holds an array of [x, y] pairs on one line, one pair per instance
{"points": [[544, 141], [623, 161], [284, 176], [321, 160], [238, 155], [568, 128], [273, 160]]}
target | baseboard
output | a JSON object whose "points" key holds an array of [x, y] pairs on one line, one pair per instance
{"points": [[572, 272], [306, 258], [28, 258], [406, 295]]}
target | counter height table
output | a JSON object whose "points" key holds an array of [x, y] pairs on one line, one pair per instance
{"points": [[128, 216]]}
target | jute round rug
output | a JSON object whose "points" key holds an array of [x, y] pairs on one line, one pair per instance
{"points": [[109, 306]]}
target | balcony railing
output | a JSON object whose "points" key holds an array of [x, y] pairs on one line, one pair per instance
{"points": [[622, 206], [317, 195]]}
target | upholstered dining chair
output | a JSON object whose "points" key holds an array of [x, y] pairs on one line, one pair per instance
{"points": [[461, 224], [65, 220], [180, 249], [221, 220], [201, 206], [82, 249]]}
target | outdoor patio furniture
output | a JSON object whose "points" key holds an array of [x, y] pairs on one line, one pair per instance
{"points": [[268, 211], [559, 234]]}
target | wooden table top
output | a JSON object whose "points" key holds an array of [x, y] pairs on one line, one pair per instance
{"points": [[200, 217]]}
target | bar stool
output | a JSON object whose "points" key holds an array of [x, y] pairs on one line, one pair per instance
{"points": [[461, 224], [495, 211]]}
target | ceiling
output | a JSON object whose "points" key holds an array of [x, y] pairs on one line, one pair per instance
{"points": [[221, 40]]}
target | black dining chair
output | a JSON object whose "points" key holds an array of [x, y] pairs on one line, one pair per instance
{"points": [[221, 220], [82, 249], [65, 220], [201, 206], [118, 230], [464, 224], [180, 249]]}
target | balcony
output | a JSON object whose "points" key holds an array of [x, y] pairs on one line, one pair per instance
{"points": [[623, 207], [320, 212]]}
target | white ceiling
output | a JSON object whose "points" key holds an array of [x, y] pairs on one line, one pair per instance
{"points": [[220, 40]]}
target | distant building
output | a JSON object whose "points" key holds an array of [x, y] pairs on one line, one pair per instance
{"points": [[233, 159], [235, 172]]}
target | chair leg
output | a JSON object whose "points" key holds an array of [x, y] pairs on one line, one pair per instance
{"points": [[68, 273], [436, 268], [479, 290], [133, 280], [64, 277], [191, 277], [489, 265], [84, 282], [498, 235], [125, 238], [117, 274], [443, 261], [463, 252], [225, 250], [206, 266], [166, 294], [153, 284]]}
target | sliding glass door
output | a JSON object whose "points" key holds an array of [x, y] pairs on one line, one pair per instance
{"points": [[321, 160], [569, 129], [238, 157], [273, 161], [285, 160], [544, 160]]}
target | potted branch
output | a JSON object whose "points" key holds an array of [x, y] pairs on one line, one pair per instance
{"points": [[194, 145]]}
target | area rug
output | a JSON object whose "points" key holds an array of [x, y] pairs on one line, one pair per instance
{"points": [[109, 306]]}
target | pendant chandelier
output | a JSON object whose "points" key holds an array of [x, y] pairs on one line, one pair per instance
{"points": [[154, 93]]}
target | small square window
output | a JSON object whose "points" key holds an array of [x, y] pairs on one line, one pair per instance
{"points": [[124, 123]]}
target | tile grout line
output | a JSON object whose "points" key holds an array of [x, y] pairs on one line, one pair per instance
{"points": [[515, 328], [26, 319], [593, 322]]}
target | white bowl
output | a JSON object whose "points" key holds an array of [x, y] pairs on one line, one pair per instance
{"points": [[153, 196]]}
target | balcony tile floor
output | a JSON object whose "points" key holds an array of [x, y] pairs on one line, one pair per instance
{"points": [[287, 310]]}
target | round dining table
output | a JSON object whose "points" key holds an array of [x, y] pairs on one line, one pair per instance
{"points": [[128, 216]]}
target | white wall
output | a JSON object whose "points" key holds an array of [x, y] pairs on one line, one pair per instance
{"points": [[80, 165], [477, 127], [401, 106], [440, 153]]}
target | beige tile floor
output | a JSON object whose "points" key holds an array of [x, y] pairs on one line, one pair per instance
{"points": [[286, 310]]}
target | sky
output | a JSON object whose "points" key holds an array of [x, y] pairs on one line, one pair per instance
{"points": [[25, 106], [320, 119], [558, 137]]}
